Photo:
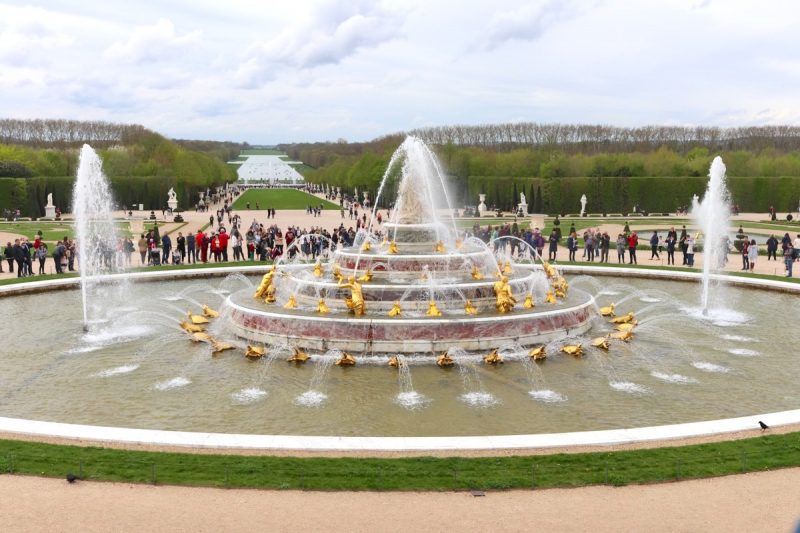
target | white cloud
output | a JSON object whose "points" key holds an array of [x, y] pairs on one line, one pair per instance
{"points": [[151, 43], [357, 69], [331, 34]]}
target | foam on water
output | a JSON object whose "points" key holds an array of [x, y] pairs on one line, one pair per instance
{"points": [[171, 298], [479, 399], [83, 349], [311, 398], [718, 316], [744, 352], [608, 293], [710, 367], [411, 400], [113, 335], [649, 299], [246, 396], [673, 378], [116, 371], [547, 396], [629, 387], [739, 338], [173, 383]]}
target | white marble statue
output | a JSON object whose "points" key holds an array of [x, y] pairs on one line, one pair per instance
{"points": [[50, 209], [522, 199], [172, 201], [171, 194], [49, 200], [481, 203], [583, 205]]}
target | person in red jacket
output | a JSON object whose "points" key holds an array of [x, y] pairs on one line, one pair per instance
{"points": [[200, 242], [223, 243], [215, 247], [633, 240]]}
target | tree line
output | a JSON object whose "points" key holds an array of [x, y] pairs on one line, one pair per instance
{"points": [[61, 133]]}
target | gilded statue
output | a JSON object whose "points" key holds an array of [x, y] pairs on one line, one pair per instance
{"points": [[505, 300], [266, 283], [356, 301]]}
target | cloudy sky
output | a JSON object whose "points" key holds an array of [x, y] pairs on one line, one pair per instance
{"points": [[269, 72]]}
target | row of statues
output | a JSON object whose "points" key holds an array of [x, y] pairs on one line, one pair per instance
{"points": [[504, 295]]}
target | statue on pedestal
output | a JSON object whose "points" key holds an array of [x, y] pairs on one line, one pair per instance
{"points": [[583, 205], [50, 209], [172, 200], [481, 204]]}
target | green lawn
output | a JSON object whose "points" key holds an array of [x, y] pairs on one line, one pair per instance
{"points": [[263, 151], [279, 199], [409, 473], [51, 231]]}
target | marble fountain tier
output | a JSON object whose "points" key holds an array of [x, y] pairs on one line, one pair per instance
{"points": [[431, 278]]}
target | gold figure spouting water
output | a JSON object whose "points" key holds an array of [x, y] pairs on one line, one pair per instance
{"points": [[366, 276], [322, 308], [394, 361], [439, 247], [395, 310], [600, 342], [291, 303], [191, 328], [572, 349], [393, 248], [469, 308], [529, 303], [507, 268], [444, 360], [356, 301], [623, 319], [345, 360], [550, 298], [621, 335], [492, 358], [366, 247], [538, 353], [318, 272], [209, 313], [504, 298], [433, 310], [254, 352], [266, 282], [299, 356], [217, 347], [607, 310], [476, 273], [337, 273]]}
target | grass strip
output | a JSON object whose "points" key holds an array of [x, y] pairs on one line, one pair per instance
{"points": [[404, 474]]}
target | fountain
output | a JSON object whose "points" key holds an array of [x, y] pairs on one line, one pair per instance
{"points": [[96, 232], [712, 214], [565, 367], [421, 262]]}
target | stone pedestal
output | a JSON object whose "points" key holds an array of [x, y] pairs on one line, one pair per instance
{"points": [[522, 208], [50, 211], [172, 203]]}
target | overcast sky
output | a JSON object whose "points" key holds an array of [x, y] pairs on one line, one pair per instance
{"points": [[269, 72]]}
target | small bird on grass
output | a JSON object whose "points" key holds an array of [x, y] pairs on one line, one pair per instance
{"points": [[763, 425], [72, 478]]}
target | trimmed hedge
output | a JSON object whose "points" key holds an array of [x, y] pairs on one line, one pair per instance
{"points": [[619, 194]]}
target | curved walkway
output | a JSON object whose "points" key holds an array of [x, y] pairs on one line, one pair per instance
{"points": [[763, 501]]}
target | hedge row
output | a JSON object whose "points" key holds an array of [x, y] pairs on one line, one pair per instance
{"points": [[620, 194], [29, 195]]}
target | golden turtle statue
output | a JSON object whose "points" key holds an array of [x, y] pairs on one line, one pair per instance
{"points": [[621, 335], [600, 342], [197, 319], [538, 353], [254, 352], [299, 356], [627, 326], [209, 313], [394, 361], [572, 349], [445, 360], [345, 360], [492, 358], [607, 310], [622, 319], [191, 328], [217, 347]]}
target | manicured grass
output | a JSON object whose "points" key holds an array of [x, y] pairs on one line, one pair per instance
{"points": [[279, 199], [51, 231], [263, 151], [412, 473]]}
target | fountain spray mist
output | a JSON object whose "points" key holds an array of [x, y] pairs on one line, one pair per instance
{"points": [[92, 206], [712, 215]]}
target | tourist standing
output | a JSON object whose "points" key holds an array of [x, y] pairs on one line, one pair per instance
{"points": [[41, 255], [671, 242], [572, 245], [588, 242], [633, 242], [772, 248], [684, 246], [166, 249], [181, 244], [745, 255], [191, 250], [622, 243], [605, 244], [788, 259], [752, 252], [690, 251], [553, 249], [142, 248], [223, 243], [654, 246]]}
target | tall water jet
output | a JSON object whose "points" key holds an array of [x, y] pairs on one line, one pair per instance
{"points": [[712, 215], [92, 206]]}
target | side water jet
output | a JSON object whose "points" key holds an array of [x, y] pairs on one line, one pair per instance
{"points": [[92, 206], [712, 215]]}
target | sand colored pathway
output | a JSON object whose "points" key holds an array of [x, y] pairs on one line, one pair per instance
{"points": [[766, 501]]}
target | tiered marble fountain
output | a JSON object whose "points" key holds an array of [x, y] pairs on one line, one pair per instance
{"points": [[418, 290]]}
